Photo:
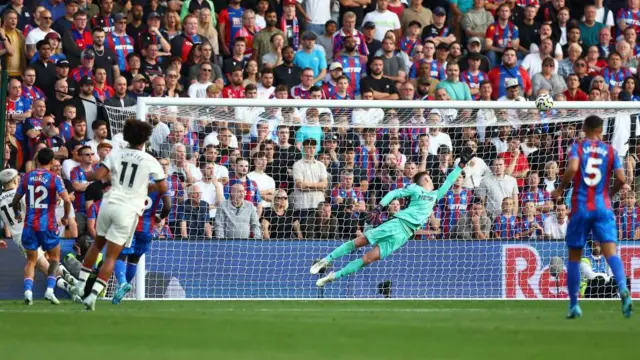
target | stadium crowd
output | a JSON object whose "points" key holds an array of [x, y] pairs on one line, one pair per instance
{"points": [[69, 60]]}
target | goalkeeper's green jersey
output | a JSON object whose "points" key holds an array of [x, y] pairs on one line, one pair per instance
{"points": [[422, 201]]}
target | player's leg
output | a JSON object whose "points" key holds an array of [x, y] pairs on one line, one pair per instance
{"points": [[102, 226], [120, 267], [54, 260], [577, 230], [340, 251], [29, 273], [111, 255], [607, 231]]}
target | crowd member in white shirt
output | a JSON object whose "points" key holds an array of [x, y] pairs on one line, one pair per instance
{"points": [[246, 115], [213, 138], [100, 133], [160, 133], [210, 156], [265, 87], [37, 34], [437, 138], [266, 184], [211, 189], [384, 19], [71, 162], [182, 167], [199, 88], [555, 226], [475, 169], [496, 186], [367, 117]]}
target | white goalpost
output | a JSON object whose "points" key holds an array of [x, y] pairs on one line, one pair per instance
{"points": [[368, 148]]}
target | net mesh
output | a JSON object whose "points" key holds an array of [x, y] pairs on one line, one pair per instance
{"points": [[298, 213]]}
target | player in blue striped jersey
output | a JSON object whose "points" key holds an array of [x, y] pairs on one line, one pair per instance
{"points": [[127, 263], [591, 165]]}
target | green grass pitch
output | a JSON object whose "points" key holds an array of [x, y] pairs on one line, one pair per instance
{"points": [[301, 330]]}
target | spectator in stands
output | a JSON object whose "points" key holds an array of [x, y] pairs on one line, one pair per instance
{"points": [[416, 12], [49, 136], [516, 162], [505, 226], [438, 32], [533, 193], [384, 20], [320, 223], [195, 212], [309, 57], [457, 90], [237, 60], [508, 70], [589, 27], [12, 41], [212, 190], [383, 87], [475, 224], [326, 39], [555, 225], [182, 44], [614, 74], [628, 217], [78, 177], [262, 42], [496, 186], [533, 62], [273, 58], [235, 90], [62, 24], [346, 190], [501, 35], [120, 98], [548, 80], [77, 38], [528, 28], [566, 66], [100, 133], [198, 89], [288, 73], [289, 24], [394, 66], [44, 69], [265, 183], [475, 22], [279, 222], [310, 178], [237, 218], [176, 136], [37, 34]]}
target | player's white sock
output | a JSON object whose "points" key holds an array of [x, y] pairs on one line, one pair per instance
{"points": [[62, 284], [82, 279]]}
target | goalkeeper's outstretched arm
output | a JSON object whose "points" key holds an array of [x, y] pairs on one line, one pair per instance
{"points": [[448, 183]]}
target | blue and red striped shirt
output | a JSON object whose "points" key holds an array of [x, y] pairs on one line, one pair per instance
{"points": [[33, 93], [628, 222], [597, 163], [122, 46], [505, 227], [345, 194], [474, 80], [454, 206], [525, 225], [615, 78], [80, 72], [66, 130], [352, 68], [176, 191], [78, 175], [537, 196], [366, 160], [41, 188], [147, 220], [250, 187]]}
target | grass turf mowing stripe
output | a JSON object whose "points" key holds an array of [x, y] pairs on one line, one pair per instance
{"points": [[315, 330]]}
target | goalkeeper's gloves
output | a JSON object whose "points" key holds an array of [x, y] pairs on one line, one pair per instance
{"points": [[465, 156], [373, 217]]}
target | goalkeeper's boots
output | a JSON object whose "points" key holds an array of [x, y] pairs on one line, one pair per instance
{"points": [[627, 304], [28, 297], [90, 302], [574, 312], [120, 293], [319, 266], [325, 280], [49, 295]]}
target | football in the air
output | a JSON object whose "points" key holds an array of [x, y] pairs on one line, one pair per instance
{"points": [[544, 102]]}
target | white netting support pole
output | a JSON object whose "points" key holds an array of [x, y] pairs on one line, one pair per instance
{"points": [[142, 109], [141, 114], [140, 278]]}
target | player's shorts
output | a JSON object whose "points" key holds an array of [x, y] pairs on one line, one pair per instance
{"points": [[32, 240], [17, 238], [389, 237], [117, 223], [602, 222], [140, 245]]}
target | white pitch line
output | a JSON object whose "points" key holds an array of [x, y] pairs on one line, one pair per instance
{"points": [[266, 310]]}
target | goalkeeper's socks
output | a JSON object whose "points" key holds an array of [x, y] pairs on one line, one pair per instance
{"points": [[28, 284], [131, 271], [340, 251], [351, 268], [120, 270], [51, 282], [618, 272], [573, 282]]}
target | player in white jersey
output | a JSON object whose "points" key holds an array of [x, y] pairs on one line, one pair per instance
{"points": [[10, 180], [122, 206]]}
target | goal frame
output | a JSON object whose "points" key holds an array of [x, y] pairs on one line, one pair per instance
{"points": [[143, 104]]}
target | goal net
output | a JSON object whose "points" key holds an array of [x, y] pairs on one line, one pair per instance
{"points": [[263, 188]]}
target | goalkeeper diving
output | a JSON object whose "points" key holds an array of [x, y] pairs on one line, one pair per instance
{"points": [[394, 233]]}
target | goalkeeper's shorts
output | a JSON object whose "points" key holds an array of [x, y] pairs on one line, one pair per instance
{"points": [[389, 237]]}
